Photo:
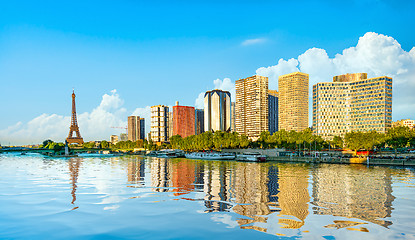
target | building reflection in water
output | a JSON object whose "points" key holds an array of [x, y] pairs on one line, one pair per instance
{"points": [[136, 172], [74, 164], [161, 174], [274, 197], [251, 195], [183, 177], [293, 196], [217, 182], [357, 192]]}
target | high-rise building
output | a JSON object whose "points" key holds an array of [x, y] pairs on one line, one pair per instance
{"points": [[135, 128], [217, 110], [251, 108], [293, 101], [170, 124], [352, 102], [159, 123], [272, 111], [199, 121], [404, 123], [233, 117], [183, 120]]}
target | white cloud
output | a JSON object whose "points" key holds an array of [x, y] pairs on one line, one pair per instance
{"points": [[199, 102], [94, 125], [253, 41], [375, 54]]}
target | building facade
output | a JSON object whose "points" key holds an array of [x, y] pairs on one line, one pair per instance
{"points": [[159, 123], [136, 128], [404, 123], [183, 120], [272, 111], [251, 107], [114, 139], [233, 117], [352, 102], [293, 101], [123, 137], [199, 121], [171, 124], [217, 105]]}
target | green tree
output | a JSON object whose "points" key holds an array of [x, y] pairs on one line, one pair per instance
{"points": [[337, 142], [398, 137], [104, 144]]}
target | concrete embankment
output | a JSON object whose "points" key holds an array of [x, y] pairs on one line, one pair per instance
{"points": [[346, 160], [278, 155]]}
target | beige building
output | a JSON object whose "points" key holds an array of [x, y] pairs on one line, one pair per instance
{"points": [[251, 107], [233, 117], [159, 123], [352, 102], [170, 124], [217, 104], [293, 101], [136, 128], [404, 123], [114, 139]]}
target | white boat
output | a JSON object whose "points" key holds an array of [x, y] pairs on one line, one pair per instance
{"points": [[210, 155], [251, 157]]}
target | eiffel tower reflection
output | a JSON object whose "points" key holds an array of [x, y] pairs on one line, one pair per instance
{"points": [[74, 164]]}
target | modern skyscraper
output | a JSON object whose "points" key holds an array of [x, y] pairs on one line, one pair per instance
{"points": [[272, 111], [293, 101], [160, 123], [352, 102], [170, 124], [217, 110], [199, 121], [183, 120], [233, 117], [135, 128], [251, 108]]}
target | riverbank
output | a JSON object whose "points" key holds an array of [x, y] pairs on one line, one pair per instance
{"points": [[346, 160], [279, 155]]}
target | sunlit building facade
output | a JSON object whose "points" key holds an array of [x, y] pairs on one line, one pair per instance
{"points": [[293, 101], [183, 120], [136, 129], [114, 139], [159, 123], [217, 104], [251, 108], [404, 123], [352, 102]]}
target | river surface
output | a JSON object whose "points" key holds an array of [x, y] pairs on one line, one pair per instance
{"points": [[134, 197]]}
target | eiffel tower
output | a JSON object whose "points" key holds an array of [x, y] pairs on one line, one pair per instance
{"points": [[74, 126]]}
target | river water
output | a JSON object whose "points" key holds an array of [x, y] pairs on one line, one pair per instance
{"points": [[134, 197]]}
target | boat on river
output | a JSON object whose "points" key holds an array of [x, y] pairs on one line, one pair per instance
{"points": [[210, 155], [251, 157], [166, 153]]}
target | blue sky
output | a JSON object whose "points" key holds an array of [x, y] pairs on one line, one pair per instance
{"points": [[157, 52]]}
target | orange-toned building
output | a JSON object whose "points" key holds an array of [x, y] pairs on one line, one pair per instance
{"points": [[183, 120]]}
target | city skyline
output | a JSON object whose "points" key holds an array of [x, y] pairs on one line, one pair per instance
{"points": [[42, 60]]}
